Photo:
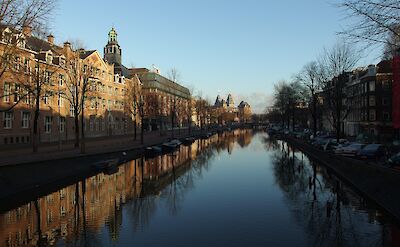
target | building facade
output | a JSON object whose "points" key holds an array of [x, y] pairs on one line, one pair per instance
{"points": [[43, 82], [167, 104]]}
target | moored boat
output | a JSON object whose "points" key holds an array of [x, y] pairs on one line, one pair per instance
{"points": [[171, 145], [105, 164]]}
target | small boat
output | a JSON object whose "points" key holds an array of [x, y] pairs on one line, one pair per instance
{"points": [[105, 164], [171, 145], [111, 170], [188, 140], [152, 151]]}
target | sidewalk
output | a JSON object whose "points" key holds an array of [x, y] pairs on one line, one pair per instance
{"points": [[93, 146]]}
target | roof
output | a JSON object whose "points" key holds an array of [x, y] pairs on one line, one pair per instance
{"points": [[84, 54], [38, 45], [384, 66]]}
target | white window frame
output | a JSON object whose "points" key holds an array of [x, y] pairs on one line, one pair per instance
{"points": [[48, 120], [8, 118], [26, 117], [61, 122], [7, 92]]}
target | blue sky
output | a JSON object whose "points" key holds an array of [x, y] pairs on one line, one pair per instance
{"points": [[218, 46]]}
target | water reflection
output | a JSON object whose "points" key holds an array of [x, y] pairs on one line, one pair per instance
{"points": [[330, 212], [75, 215]]}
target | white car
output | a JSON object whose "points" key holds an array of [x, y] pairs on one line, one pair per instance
{"points": [[350, 150]]}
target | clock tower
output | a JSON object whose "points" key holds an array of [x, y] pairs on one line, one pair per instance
{"points": [[112, 51]]}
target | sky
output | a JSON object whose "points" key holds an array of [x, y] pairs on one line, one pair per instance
{"points": [[218, 46]]}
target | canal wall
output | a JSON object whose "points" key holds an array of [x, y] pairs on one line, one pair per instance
{"points": [[378, 183]]}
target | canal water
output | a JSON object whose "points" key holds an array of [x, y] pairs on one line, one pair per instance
{"points": [[239, 188]]}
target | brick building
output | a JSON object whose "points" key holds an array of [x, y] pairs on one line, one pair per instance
{"points": [[38, 70]]}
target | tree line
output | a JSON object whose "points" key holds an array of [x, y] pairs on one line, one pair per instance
{"points": [[320, 86]]}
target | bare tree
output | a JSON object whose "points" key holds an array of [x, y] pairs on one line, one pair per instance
{"points": [[16, 15], [132, 98], [335, 65], [174, 75], [373, 21], [202, 109], [310, 78], [80, 85], [287, 96]]}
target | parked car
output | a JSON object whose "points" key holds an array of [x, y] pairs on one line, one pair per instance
{"points": [[394, 161], [350, 150], [372, 151], [320, 142]]}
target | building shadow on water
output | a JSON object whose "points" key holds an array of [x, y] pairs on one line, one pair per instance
{"points": [[329, 211], [75, 214]]}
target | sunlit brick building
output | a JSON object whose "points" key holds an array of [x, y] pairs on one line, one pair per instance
{"points": [[163, 98], [38, 70]]}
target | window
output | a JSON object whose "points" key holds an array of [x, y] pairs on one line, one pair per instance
{"points": [[17, 64], [60, 100], [7, 92], [371, 100], [71, 110], [385, 101], [61, 80], [372, 116], [372, 86], [27, 68], [386, 84], [46, 99], [386, 116], [16, 93], [47, 76], [62, 124], [93, 103], [91, 123], [27, 99], [26, 116], [8, 120], [47, 124]]}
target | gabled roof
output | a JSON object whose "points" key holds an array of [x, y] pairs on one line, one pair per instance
{"points": [[39, 45], [84, 54]]}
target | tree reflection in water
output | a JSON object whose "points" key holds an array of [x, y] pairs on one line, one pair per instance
{"points": [[172, 187], [321, 204]]}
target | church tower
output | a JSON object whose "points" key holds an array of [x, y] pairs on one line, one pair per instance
{"points": [[112, 51]]}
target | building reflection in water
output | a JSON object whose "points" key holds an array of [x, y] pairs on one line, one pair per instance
{"points": [[75, 214], [325, 207]]}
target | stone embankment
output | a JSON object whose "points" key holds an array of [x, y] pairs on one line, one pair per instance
{"points": [[376, 182]]}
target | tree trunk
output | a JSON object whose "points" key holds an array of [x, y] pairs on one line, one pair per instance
{"points": [[35, 139], [142, 130], [135, 128], [172, 125], [76, 121], [314, 114], [293, 118], [82, 130]]}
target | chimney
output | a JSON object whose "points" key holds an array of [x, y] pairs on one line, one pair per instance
{"points": [[67, 47], [27, 31], [50, 39]]}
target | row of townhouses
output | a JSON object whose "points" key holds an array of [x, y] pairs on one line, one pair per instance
{"points": [[367, 102]]}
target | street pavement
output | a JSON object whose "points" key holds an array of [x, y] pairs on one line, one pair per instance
{"points": [[93, 146]]}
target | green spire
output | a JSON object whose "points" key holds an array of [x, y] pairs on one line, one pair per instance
{"points": [[112, 35]]}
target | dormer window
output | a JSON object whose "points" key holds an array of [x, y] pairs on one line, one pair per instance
{"points": [[62, 61], [49, 57], [20, 39], [7, 36]]}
